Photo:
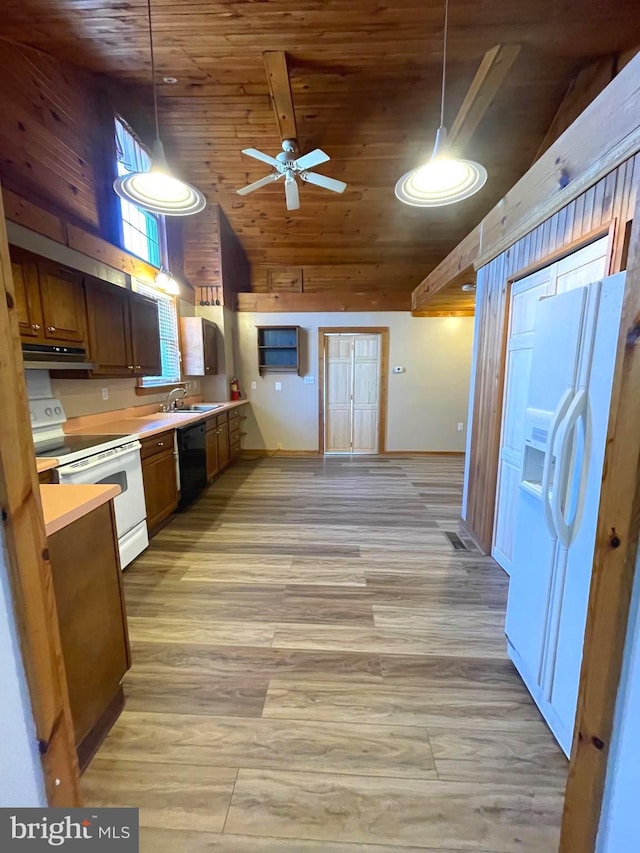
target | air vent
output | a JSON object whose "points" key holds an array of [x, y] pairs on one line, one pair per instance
{"points": [[456, 541]]}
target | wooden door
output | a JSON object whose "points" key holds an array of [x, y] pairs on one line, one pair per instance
{"points": [[579, 268], [210, 344], [63, 303], [27, 296], [338, 392], [145, 335], [223, 444], [160, 488], [109, 333], [352, 391], [211, 443], [366, 391]]}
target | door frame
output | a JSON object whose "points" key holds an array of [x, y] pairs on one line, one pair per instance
{"points": [[383, 331], [28, 560]]}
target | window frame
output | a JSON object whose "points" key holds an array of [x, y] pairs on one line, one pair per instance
{"points": [[143, 385]]}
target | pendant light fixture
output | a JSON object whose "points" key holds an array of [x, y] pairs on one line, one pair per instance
{"points": [[158, 190], [165, 281], [444, 179]]}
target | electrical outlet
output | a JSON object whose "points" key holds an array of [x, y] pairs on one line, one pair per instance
{"points": [[279, 445], [254, 385], [105, 393], [309, 380], [460, 426], [278, 386]]}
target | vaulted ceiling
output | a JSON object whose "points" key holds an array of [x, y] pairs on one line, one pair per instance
{"points": [[365, 76]]}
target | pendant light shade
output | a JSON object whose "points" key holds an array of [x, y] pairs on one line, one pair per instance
{"points": [[165, 281], [158, 190], [444, 179]]}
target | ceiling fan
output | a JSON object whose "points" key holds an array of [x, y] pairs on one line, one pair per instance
{"points": [[288, 164]]}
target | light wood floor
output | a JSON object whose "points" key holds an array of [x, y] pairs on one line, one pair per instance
{"points": [[315, 669]]}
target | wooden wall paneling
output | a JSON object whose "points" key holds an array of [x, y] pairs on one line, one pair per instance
{"points": [[235, 268], [354, 301], [30, 570], [568, 229], [455, 269], [289, 279], [612, 579]]}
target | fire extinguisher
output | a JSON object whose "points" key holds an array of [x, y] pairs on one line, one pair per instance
{"points": [[235, 389]]}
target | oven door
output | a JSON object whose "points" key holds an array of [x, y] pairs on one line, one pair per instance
{"points": [[121, 467]]}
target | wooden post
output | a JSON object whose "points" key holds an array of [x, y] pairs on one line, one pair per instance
{"points": [[30, 570], [612, 579]]}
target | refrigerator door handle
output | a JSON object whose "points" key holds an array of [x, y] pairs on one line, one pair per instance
{"points": [[548, 458], [577, 410]]}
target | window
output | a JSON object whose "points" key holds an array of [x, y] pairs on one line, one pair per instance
{"points": [[141, 230], [169, 350]]}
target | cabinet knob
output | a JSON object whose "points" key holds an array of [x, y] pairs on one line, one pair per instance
{"points": [[138, 367], [35, 327], [207, 368], [161, 444], [129, 367], [51, 328]]}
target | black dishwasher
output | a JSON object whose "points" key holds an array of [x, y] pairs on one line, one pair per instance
{"points": [[192, 456]]}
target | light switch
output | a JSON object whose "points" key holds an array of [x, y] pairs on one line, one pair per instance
{"points": [[278, 386], [105, 393], [309, 380], [254, 385]]}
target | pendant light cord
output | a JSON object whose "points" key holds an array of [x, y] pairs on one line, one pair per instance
{"points": [[153, 71], [444, 59]]}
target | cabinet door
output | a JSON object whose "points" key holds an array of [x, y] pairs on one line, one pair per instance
{"points": [[212, 453], [27, 293], [145, 335], [63, 303], [210, 335], [109, 335], [223, 445], [160, 488]]}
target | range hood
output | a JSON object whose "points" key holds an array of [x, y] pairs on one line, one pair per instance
{"points": [[46, 357]]}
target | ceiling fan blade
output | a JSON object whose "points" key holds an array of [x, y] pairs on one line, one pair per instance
{"points": [[313, 158], [268, 179], [292, 194], [259, 155], [493, 71], [322, 181]]}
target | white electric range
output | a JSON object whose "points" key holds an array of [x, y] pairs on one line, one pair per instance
{"points": [[96, 459]]}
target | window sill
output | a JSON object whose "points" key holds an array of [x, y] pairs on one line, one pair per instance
{"points": [[146, 390]]}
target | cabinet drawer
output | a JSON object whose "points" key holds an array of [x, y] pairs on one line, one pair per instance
{"points": [[234, 423], [221, 419], [234, 435], [157, 444], [234, 413], [211, 423]]}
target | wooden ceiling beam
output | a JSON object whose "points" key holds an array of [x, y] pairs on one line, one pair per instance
{"points": [[490, 76], [275, 63]]}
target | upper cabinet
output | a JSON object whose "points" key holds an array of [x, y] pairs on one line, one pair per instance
{"points": [[124, 333], [200, 346], [50, 301]]}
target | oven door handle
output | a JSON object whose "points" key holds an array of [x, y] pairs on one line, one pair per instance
{"points": [[132, 447]]}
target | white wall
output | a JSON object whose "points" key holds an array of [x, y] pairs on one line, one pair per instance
{"points": [[620, 817], [21, 782], [425, 403]]}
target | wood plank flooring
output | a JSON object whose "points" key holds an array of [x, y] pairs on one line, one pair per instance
{"points": [[317, 670]]}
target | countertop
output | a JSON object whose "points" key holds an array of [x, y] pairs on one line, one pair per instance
{"points": [[45, 464], [64, 504], [152, 424]]}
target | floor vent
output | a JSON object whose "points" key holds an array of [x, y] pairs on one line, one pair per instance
{"points": [[456, 541]]}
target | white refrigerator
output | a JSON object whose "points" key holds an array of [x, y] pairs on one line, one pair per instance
{"points": [[565, 431]]}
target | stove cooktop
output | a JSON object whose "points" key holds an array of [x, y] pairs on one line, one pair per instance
{"points": [[67, 444]]}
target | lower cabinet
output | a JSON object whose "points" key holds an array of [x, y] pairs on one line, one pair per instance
{"points": [[213, 465], [159, 478], [223, 441], [85, 566]]}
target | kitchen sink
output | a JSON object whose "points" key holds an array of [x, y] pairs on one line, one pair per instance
{"points": [[199, 407]]}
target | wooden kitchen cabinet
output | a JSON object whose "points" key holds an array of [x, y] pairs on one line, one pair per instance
{"points": [[50, 301], [124, 334], [85, 567], [234, 434], [211, 443], [222, 428], [159, 479], [200, 346]]}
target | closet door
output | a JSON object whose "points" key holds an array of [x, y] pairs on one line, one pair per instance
{"points": [[338, 393], [366, 391]]}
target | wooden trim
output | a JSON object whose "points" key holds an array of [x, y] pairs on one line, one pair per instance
{"points": [[319, 302], [144, 391], [423, 453], [275, 64], [611, 581], [456, 268], [383, 331], [246, 453], [29, 567], [569, 249]]}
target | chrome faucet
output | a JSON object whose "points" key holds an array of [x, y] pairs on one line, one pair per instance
{"points": [[171, 401]]}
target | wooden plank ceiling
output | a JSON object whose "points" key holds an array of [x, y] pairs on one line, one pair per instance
{"points": [[365, 78]]}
